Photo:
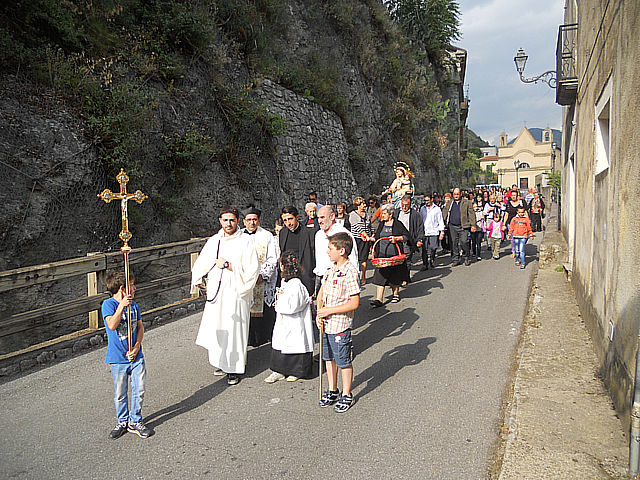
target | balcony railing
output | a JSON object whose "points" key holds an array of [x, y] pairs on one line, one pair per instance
{"points": [[566, 68]]}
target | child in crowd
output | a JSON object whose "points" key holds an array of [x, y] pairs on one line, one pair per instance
{"points": [[495, 231], [338, 298], [292, 342], [476, 237], [520, 230], [125, 362]]}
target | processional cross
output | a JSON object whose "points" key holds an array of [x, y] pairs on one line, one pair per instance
{"points": [[125, 235]]}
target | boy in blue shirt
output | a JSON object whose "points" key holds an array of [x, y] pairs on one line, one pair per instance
{"points": [[125, 362]]}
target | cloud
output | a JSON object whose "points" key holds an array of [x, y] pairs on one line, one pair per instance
{"points": [[492, 31]]}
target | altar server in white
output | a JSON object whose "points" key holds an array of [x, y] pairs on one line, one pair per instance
{"points": [[230, 263], [292, 342]]}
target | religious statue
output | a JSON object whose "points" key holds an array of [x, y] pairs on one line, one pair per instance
{"points": [[401, 185]]}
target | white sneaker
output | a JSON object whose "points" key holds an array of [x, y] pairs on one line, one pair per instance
{"points": [[291, 378], [274, 377], [218, 373]]}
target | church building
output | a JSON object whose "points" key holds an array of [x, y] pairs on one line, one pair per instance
{"points": [[526, 160]]}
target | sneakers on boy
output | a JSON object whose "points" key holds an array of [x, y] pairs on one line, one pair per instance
{"points": [[139, 429], [218, 372], [118, 430], [343, 404], [329, 398], [232, 379]]}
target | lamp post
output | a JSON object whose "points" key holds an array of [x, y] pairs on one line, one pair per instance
{"points": [[516, 165], [556, 188], [548, 77], [500, 171]]}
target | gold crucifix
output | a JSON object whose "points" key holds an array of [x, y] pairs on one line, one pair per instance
{"points": [[125, 235], [107, 195]]}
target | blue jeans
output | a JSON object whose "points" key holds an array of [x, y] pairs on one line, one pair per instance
{"points": [[336, 347], [429, 247], [519, 244], [121, 373]]}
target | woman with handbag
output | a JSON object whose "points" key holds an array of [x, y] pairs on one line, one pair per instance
{"points": [[391, 269], [362, 232]]}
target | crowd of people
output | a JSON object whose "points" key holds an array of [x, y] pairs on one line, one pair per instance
{"points": [[277, 286]]}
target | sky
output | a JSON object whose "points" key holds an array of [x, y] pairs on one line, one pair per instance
{"points": [[492, 32]]}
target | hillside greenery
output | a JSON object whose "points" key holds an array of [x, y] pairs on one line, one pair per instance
{"points": [[115, 61]]}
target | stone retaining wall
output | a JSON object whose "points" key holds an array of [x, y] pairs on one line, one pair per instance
{"points": [[313, 147]]}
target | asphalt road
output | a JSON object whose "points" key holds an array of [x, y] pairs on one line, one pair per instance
{"points": [[429, 375]]}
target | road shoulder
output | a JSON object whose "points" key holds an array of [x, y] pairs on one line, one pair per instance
{"points": [[559, 421]]}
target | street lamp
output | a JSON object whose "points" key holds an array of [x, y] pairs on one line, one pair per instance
{"points": [[500, 171], [548, 77], [556, 187], [516, 165]]}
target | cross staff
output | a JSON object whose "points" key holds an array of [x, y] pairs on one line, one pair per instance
{"points": [[125, 235]]}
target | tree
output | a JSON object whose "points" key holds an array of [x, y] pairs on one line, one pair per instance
{"points": [[432, 23]]}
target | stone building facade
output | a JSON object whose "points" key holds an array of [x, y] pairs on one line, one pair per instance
{"points": [[525, 160], [598, 68]]}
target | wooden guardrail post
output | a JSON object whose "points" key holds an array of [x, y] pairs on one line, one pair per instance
{"points": [[95, 285], [194, 257]]}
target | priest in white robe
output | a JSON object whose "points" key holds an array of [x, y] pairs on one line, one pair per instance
{"points": [[262, 314], [230, 263]]}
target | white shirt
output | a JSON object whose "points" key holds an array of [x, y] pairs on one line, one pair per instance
{"points": [[322, 244], [404, 218], [432, 220]]}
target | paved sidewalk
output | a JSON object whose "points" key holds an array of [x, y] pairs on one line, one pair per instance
{"points": [[559, 421]]}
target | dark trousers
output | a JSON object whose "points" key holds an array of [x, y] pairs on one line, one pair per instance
{"points": [[536, 222], [476, 242], [409, 250], [459, 241], [446, 240], [429, 248]]}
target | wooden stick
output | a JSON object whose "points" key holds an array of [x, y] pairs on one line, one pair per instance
{"points": [[320, 365], [128, 292]]}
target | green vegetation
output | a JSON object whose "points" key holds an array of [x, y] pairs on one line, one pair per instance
{"points": [[115, 62], [181, 152], [433, 24], [317, 79], [555, 179], [249, 123]]}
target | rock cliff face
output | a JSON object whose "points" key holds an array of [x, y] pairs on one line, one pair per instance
{"points": [[192, 149], [329, 104]]}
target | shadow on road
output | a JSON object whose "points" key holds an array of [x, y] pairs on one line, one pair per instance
{"points": [[391, 363], [257, 363], [391, 324], [195, 400]]}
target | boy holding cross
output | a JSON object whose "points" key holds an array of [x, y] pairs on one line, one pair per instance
{"points": [[338, 299], [125, 362]]}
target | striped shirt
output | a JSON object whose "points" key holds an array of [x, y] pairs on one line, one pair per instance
{"points": [[338, 286], [360, 225]]}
